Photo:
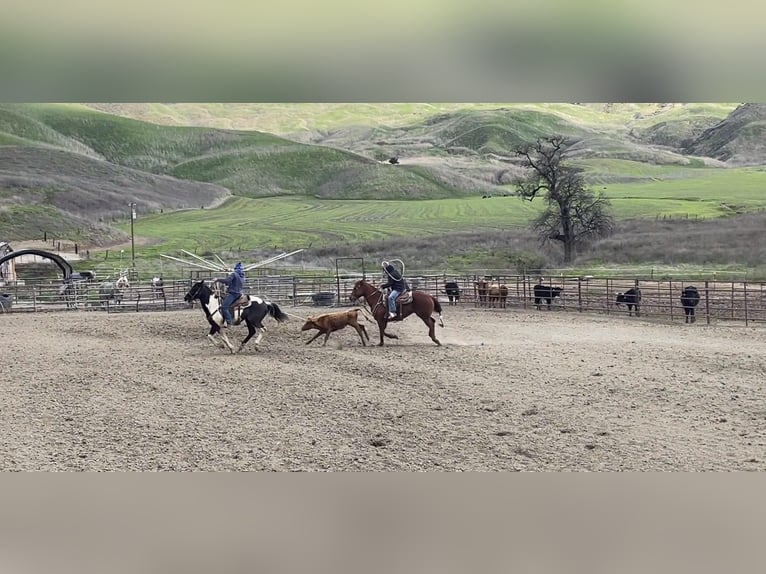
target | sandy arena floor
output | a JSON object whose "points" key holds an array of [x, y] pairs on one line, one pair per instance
{"points": [[511, 390]]}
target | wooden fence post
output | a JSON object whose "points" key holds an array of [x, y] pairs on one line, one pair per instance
{"points": [[638, 302], [579, 294], [707, 303]]}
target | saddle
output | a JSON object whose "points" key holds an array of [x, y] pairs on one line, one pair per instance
{"points": [[237, 306], [243, 301], [404, 298]]}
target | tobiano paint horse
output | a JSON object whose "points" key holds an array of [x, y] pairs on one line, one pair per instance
{"points": [[109, 291], [421, 304], [252, 312]]}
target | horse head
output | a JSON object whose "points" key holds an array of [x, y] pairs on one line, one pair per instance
{"points": [[198, 291], [122, 283], [361, 289]]}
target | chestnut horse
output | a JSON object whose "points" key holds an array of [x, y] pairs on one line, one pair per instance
{"points": [[422, 304]]}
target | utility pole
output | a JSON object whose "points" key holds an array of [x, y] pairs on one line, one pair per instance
{"points": [[132, 236]]}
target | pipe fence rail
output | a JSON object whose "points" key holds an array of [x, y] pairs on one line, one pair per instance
{"points": [[720, 301]]}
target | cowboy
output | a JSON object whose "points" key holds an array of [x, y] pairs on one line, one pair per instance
{"points": [[233, 284], [396, 283]]}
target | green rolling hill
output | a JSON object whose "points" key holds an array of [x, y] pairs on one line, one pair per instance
{"points": [[75, 167]]}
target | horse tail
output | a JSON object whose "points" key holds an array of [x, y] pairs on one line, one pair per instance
{"points": [[438, 309], [276, 312]]}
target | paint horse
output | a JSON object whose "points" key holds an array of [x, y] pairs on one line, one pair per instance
{"points": [[421, 304], [251, 309], [109, 291]]}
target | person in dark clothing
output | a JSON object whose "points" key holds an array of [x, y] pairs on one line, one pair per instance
{"points": [[234, 283], [396, 283]]}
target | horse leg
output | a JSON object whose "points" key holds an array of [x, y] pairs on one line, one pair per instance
{"points": [[382, 327], [225, 339], [431, 322], [216, 328], [326, 336], [213, 330], [251, 329]]}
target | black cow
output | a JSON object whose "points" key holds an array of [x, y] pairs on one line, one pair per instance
{"points": [[545, 292], [690, 298], [452, 289], [631, 298]]}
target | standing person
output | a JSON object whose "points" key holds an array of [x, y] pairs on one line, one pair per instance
{"points": [[233, 284], [396, 283]]}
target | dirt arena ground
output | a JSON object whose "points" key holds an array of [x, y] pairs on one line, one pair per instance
{"points": [[511, 390]]}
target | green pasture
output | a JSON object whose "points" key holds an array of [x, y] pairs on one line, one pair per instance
{"points": [[712, 193], [294, 222]]}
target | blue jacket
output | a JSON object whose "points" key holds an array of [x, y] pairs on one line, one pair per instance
{"points": [[395, 280], [233, 283]]}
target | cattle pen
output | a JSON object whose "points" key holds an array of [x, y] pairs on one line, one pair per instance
{"points": [[720, 301]]}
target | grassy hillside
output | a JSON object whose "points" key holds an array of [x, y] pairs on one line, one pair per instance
{"points": [[739, 139], [286, 223], [80, 190], [293, 119], [299, 185], [245, 162]]}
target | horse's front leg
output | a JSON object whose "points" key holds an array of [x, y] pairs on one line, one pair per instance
{"points": [[222, 341], [211, 336], [382, 329], [225, 339], [382, 323]]}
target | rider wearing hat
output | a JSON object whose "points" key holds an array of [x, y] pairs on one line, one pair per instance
{"points": [[396, 283], [234, 283]]}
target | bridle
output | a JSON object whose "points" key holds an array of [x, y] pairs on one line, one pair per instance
{"points": [[381, 298]]}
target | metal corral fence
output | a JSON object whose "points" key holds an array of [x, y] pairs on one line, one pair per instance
{"points": [[719, 300], [93, 296]]}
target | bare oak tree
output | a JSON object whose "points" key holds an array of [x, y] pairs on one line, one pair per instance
{"points": [[573, 214]]}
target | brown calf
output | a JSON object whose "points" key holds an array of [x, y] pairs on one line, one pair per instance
{"points": [[330, 322], [497, 293]]}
